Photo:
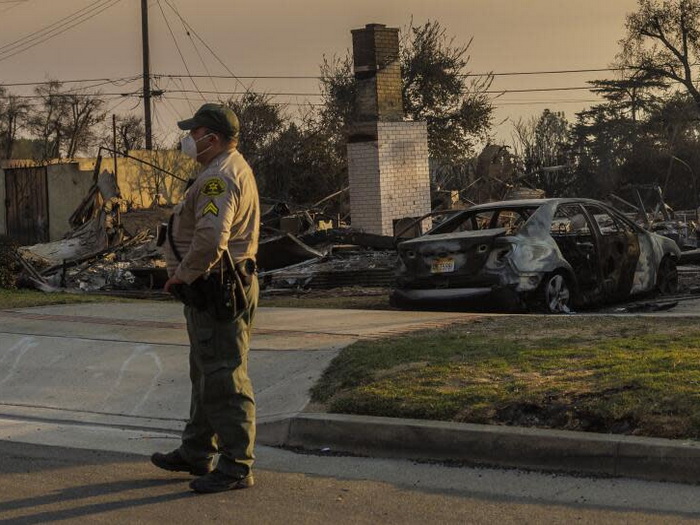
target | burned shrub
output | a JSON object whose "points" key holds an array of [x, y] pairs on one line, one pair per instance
{"points": [[9, 267]]}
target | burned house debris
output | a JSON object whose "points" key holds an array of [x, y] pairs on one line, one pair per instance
{"points": [[113, 248], [554, 253], [652, 213]]}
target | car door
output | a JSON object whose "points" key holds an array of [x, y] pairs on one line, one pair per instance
{"points": [[573, 232], [618, 250]]}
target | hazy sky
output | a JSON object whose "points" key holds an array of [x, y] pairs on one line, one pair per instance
{"points": [[290, 38]]}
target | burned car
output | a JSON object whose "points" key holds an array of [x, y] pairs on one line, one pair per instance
{"points": [[547, 255]]}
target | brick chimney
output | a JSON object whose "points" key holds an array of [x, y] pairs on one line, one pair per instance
{"points": [[387, 156], [378, 73]]}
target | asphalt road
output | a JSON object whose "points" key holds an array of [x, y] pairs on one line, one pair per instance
{"points": [[41, 484]]}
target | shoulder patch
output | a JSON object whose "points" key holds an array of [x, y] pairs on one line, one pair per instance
{"points": [[210, 208], [213, 187]]}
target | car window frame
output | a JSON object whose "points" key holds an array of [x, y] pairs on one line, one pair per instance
{"points": [[495, 213], [581, 210], [624, 225]]}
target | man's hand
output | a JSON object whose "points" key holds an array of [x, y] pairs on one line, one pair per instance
{"points": [[170, 282]]}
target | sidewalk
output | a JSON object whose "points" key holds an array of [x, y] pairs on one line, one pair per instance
{"points": [[70, 375]]}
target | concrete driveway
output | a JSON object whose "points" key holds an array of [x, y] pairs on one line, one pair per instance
{"points": [[125, 365]]}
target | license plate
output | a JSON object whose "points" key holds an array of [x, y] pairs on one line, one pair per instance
{"points": [[443, 265]]}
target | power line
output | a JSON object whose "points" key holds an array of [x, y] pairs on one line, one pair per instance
{"points": [[556, 72], [169, 97], [177, 46], [47, 82], [318, 77], [299, 77], [543, 102], [52, 27], [190, 28], [69, 94], [12, 5], [537, 90], [307, 94], [12, 50], [80, 91], [201, 59]]}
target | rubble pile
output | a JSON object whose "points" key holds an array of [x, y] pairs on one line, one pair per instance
{"points": [[653, 214], [99, 253], [114, 249], [127, 267], [344, 266]]}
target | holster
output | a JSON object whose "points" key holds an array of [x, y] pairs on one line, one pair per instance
{"points": [[222, 293]]}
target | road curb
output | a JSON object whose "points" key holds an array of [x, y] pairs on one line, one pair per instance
{"points": [[552, 450]]}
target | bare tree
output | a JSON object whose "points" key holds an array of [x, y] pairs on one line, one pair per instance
{"points": [[65, 122], [131, 133], [663, 42], [542, 144], [14, 117], [84, 113], [541, 141], [47, 121]]}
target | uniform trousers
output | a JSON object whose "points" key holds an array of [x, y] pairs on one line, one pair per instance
{"points": [[222, 405]]}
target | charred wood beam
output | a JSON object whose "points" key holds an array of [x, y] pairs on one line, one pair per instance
{"points": [[349, 236], [95, 257], [31, 271]]}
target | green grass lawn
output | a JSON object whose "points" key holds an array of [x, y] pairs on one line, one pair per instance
{"points": [[345, 298], [364, 299], [27, 298], [623, 375]]}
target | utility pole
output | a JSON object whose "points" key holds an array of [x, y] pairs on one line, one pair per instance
{"points": [[146, 75]]}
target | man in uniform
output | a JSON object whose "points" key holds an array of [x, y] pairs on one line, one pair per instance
{"points": [[220, 212]]}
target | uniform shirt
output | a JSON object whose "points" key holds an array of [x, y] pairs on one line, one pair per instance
{"points": [[221, 207]]}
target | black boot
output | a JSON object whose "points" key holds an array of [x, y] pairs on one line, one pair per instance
{"points": [[174, 462], [217, 481]]}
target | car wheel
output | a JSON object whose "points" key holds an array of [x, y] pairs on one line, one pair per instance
{"points": [[554, 295], [667, 277]]}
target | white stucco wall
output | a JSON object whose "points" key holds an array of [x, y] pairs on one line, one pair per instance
{"points": [[67, 187]]}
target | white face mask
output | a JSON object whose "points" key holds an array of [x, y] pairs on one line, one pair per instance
{"points": [[188, 146]]}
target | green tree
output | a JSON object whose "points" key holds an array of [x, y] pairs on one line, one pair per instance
{"points": [[602, 139], [435, 88], [632, 95], [261, 121], [299, 167]]}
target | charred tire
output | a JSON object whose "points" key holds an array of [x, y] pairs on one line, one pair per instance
{"points": [[667, 277], [553, 296]]}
